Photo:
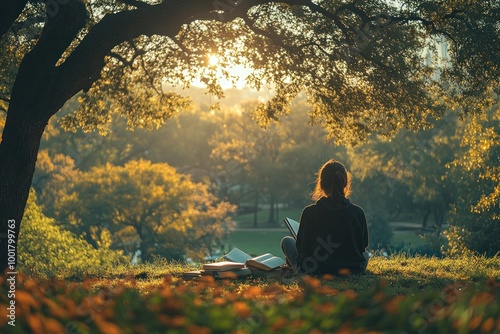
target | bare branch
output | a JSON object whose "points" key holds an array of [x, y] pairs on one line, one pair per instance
{"points": [[120, 58], [278, 40], [150, 77], [320, 10]]}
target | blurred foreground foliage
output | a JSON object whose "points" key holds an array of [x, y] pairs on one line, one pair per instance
{"points": [[354, 304]]}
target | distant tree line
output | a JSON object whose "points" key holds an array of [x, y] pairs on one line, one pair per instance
{"points": [[444, 174]]}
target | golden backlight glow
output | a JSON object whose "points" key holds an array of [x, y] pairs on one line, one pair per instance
{"points": [[236, 74], [213, 60]]}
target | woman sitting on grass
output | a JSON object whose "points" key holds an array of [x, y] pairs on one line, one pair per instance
{"points": [[333, 233]]}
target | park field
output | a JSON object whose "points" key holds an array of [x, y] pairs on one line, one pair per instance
{"points": [[261, 240], [399, 294]]}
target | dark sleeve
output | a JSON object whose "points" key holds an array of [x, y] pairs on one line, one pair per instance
{"points": [[304, 226]]}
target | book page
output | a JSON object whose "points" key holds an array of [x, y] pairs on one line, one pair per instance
{"points": [[293, 226], [262, 257], [274, 262], [237, 255], [267, 264]]}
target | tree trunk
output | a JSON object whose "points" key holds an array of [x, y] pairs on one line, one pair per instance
{"points": [[426, 218], [277, 215], [271, 220], [18, 153], [255, 210], [39, 91], [439, 213], [42, 87]]}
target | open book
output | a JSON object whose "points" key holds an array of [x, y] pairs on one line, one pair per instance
{"points": [[293, 226], [265, 262]]}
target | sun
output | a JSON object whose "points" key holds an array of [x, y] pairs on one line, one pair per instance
{"points": [[213, 60], [237, 73]]}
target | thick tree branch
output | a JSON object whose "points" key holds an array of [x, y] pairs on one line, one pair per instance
{"points": [[9, 12], [164, 19], [332, 16], [224, 11], [17, 26], [278, 40], [60, 30], [36, 73], [135, 3], [121, 59]]}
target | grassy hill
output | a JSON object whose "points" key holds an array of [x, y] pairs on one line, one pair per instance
{"points": [[398, 295]]}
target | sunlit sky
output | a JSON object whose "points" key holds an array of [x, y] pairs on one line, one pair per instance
{"points": [[237, 73]]}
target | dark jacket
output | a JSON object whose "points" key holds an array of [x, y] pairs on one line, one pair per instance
{"points": [[332, 237]]}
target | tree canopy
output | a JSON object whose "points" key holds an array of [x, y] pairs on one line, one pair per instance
{"points": [[360, 64]]}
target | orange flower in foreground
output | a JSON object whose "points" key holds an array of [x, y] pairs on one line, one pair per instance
{"points": [[175, 321], [488, 326], [107, 327], [392, 306], [328, 277], [326, 290], [242, 309], [35, 323], [55, 310], [344, 272], [206, 279], [193, 329], [315, 331], [475, 322], [313, 282], [25, 300], [350, 294], [219, 301], [324, 308], [280, 324], [252, 292], [30, 285], [53, 326], [482, 298]]}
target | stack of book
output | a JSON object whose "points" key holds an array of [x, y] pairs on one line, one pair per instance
{"points": [[238, 264]]}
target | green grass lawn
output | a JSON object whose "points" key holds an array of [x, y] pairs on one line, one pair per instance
{"points": [[257, 242], [263, 241], [407, 239], [397, 295], [246, 220]]}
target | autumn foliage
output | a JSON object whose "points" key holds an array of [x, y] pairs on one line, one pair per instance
{"points": [[310, 305]]}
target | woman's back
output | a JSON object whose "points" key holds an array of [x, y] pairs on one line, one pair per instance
{"points": [[332, 236]]}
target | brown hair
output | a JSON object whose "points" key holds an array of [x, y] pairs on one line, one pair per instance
{"points": [[333, 181]]}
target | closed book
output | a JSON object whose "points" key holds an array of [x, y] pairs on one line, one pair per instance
{"points": [[191, 274], [224, 265], [233, 274]]}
